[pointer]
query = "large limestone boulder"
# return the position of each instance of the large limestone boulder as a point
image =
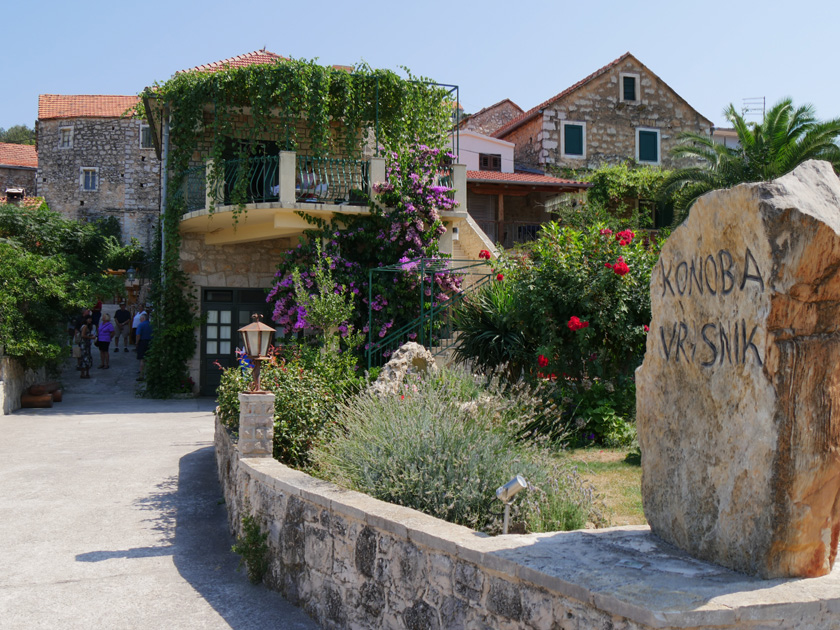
(411, 358)
(738, 398)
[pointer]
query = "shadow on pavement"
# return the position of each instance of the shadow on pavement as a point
(190, 517)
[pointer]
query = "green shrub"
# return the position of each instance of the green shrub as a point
(307, 384)
(444, 446)
(252, 548)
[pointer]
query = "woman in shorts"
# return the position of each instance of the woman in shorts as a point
(106, 330)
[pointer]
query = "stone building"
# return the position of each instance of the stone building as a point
(492, 118)
(231, 259)
(96, 161)
(18, 166)
(621, 112)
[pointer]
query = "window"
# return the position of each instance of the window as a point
(628, 85)
(647, 146)
(489, 162)
(573, 140)
(89, 178)
(146, 137)
(65, 140)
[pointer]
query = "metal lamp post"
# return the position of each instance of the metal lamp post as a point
(257, 337)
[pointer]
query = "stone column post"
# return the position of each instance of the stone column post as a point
(459, 183)
(256, 425)
(377, 173)
(210, 199)
(286, 177)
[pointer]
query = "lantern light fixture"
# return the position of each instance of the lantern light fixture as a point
(257, 338)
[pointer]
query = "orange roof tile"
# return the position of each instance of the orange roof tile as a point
(240, 61)
(83, 105)
(494, 177)
(520, 120)
(18, 155)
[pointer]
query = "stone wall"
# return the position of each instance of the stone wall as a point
(128, 178)
(610, 124)
(354, 562)
(245, 265)
(14, 380)
(17, 177)
(489, 119)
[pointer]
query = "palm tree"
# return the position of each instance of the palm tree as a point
(769, 149)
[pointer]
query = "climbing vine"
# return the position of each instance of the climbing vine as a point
(295, 104)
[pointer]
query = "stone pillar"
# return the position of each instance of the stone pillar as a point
(256, 425)
(445, 241)
(459, 183)
(377, 173)
(286, 177)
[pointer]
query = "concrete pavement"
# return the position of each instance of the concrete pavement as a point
(111, 516)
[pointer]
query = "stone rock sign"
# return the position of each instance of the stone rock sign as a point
(738, 398)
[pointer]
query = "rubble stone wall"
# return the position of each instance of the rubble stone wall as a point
(17, 177)
(128, 180)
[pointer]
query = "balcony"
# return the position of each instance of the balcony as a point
(275, 187)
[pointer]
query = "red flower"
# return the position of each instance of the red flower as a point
(500, 276)
(625, 237)
(484, 254)
(620, 267)
(575, 324)
(608, 265)
(606, 231)
(647, 329)
(542, 361)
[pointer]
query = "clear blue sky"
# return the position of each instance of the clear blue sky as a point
(712, 53)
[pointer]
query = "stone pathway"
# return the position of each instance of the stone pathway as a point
(111, 516)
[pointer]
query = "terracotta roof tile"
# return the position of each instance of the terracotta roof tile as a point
(254, 58)
(83, 105)
(522, 178)
(18, 155)
(518, 121)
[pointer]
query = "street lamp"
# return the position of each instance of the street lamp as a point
(131, 273)
(257, 337)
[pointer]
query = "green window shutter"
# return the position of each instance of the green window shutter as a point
(573, 136)
(629, 88)
(648, 146)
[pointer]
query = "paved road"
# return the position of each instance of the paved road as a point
(111, 516)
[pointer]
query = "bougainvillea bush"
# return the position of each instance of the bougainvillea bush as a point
(581, 300)
(403, 225)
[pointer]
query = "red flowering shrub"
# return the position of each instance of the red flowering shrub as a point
(575, 324)
(500, 276)
(542, 361)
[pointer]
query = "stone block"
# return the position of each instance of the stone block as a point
(741, 377)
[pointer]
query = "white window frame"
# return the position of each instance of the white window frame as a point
(151, 142)
(638, 78)
(82, 171)
(658, 146)
(579, 123)
(61, 131)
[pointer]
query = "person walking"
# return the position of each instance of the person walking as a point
(122, 323)
(87, 334)
(144, 339)
(135, 323)
(106, 329)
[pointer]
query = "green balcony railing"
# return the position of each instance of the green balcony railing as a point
(433, 325)
(251, 180)
(331, 180)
